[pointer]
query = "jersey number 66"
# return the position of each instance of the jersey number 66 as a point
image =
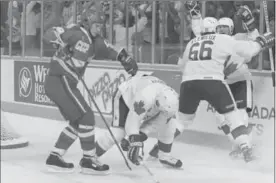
(201, 51)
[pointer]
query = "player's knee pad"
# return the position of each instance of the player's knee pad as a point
(220, 119)
(179, 126)
(105, 140)
(153, 124)
(87, 119)
(186, 119)
(244, 116)
(234, 119)
(166, 132)
(85, 127)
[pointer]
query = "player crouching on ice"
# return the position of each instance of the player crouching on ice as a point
(76, 44)
(141, 105)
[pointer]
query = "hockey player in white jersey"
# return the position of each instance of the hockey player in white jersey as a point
(203, 64)
(142, 105)
(236, 70)
(238, 76)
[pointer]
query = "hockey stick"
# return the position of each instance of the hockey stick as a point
(271, 59)
(103, 118)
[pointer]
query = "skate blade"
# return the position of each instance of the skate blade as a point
(88, 171)
(171, 167)
(55, 169)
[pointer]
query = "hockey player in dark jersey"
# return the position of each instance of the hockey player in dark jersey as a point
(76, 44)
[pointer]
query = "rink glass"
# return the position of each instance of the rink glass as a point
(161, 40)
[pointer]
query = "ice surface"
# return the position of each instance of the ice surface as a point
(201, 164)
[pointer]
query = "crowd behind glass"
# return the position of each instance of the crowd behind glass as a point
(153, 32)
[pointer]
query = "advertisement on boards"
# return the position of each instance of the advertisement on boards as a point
(102, 84)
(29, 80)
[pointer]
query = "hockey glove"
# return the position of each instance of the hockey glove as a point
(127, 62)
(135, 149)
(248, 20)
(193, 7)
(266, 40)
(125, 143)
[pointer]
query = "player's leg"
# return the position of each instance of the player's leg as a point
(243, 94)
(166, 135)
(189, 100)
(120, 113)
(81, 124)
(218, 94)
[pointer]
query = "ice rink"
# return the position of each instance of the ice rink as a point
(200, 164)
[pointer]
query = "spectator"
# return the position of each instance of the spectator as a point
(32, 23)
(121, 28)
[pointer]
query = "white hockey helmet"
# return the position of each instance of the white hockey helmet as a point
(209, 25)
(168, 101)
(225, 21)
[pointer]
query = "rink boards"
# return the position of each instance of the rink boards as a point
(22, 92)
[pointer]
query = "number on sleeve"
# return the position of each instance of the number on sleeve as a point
(201, 51)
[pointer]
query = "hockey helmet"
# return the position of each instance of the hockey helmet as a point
(168, 101)
(225, 21)
(209, 25)
(90, 17)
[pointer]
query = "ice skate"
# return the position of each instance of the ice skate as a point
(56, 163)
(236, 152)
(248, 154)
(169, 161)
(91, 165)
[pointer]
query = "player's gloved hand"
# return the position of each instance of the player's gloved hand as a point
(129, 64)
(245, 14)
(125, 143)
(266, 40)
(135, 149)
(193, 7)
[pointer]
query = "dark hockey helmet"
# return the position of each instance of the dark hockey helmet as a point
(90, 17)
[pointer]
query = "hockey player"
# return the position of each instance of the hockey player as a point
(142, 105)
(76, 44)
(238, 76)
(203, 65)
(199, 52)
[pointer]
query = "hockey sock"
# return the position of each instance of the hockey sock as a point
(176, 134)
(164, 147)
(225, 129)
(241, 137)
(65, 140)
(99, 150)
(87, 140)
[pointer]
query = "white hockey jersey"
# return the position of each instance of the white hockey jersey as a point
(206, 57)
(140, 95)
(242, 72)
